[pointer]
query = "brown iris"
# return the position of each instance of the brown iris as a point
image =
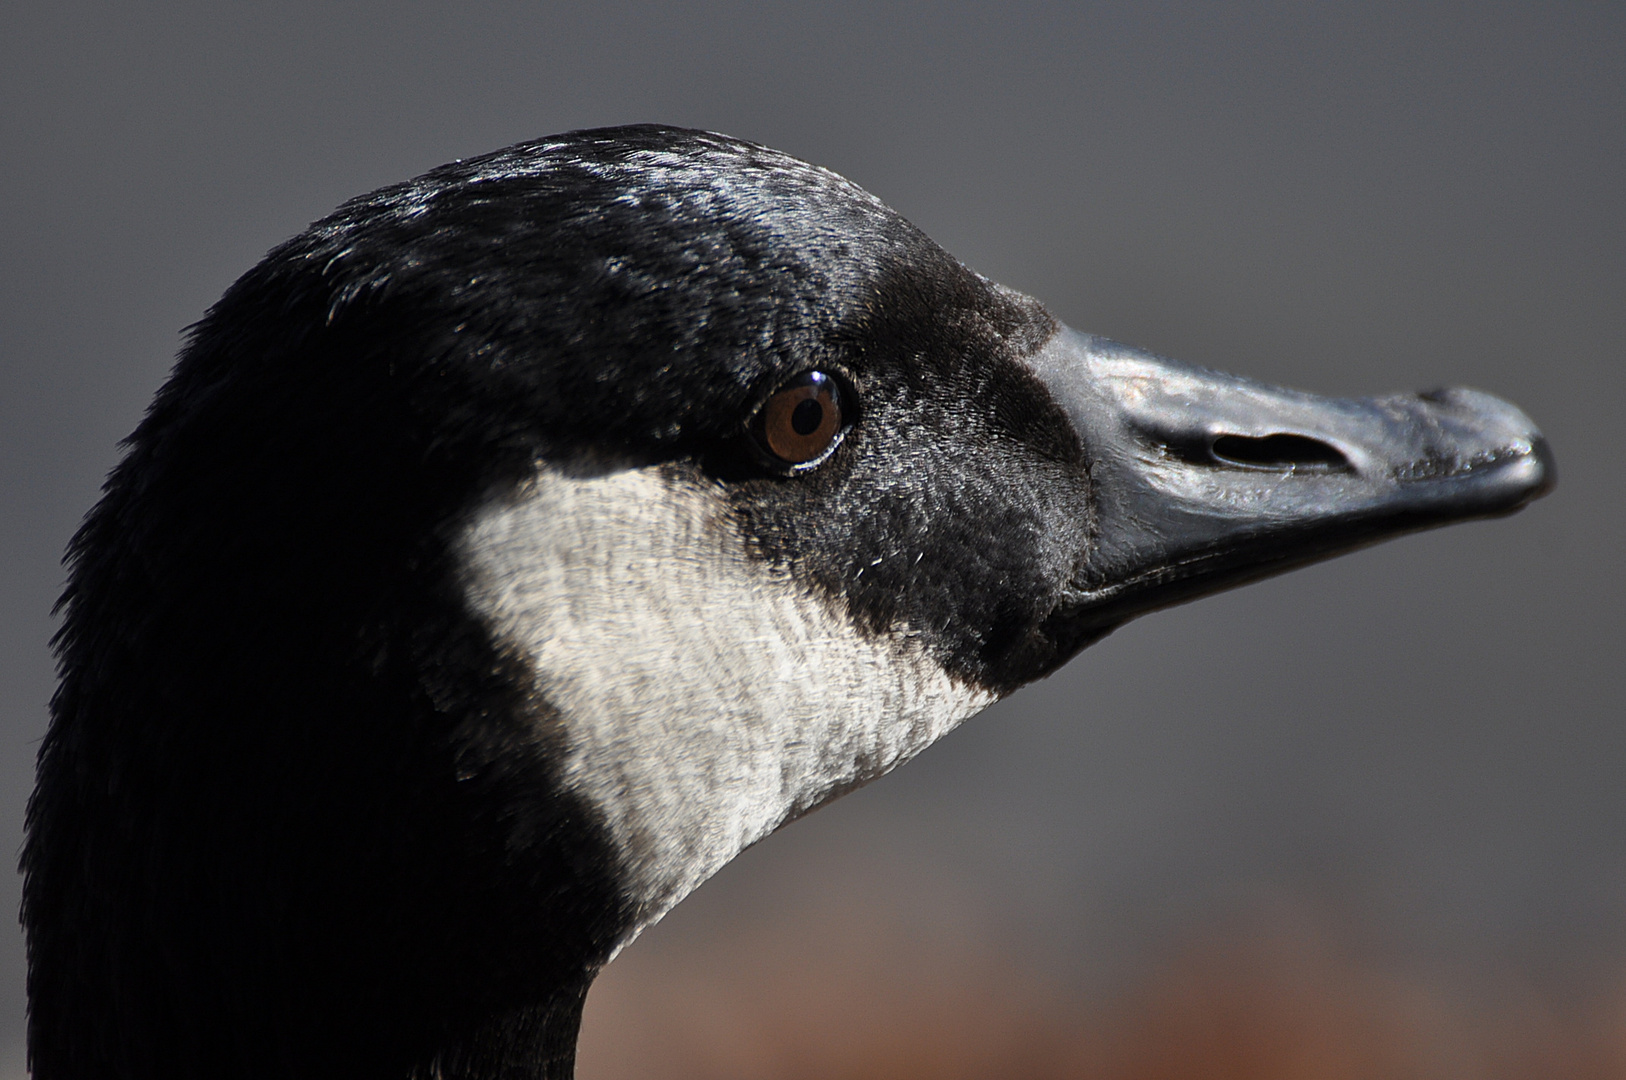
(801, 422)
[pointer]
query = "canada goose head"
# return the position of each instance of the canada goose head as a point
(518, 544)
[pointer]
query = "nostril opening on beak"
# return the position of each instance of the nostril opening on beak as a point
(1280, 452)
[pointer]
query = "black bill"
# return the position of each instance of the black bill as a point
(1203, 480)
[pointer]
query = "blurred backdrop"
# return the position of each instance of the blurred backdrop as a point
(1367, 819)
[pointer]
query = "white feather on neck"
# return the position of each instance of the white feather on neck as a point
(706, 696)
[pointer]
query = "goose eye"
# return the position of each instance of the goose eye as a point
(802, 422)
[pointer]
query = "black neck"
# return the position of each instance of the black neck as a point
(298, 816)
(536, 1042)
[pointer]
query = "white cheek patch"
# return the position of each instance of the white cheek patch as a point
(706, 697)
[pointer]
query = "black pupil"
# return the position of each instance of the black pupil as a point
(807, 416)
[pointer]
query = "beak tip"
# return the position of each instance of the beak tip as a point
(1543, 467)
(1529, 469)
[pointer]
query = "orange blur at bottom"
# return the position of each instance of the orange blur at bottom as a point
(855, 999)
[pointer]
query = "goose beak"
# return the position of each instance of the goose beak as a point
(1203, 481)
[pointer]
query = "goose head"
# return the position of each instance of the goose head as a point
(518, 544)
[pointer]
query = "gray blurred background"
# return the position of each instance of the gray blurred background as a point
(1399, 772)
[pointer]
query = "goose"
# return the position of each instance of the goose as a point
(518, 544)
